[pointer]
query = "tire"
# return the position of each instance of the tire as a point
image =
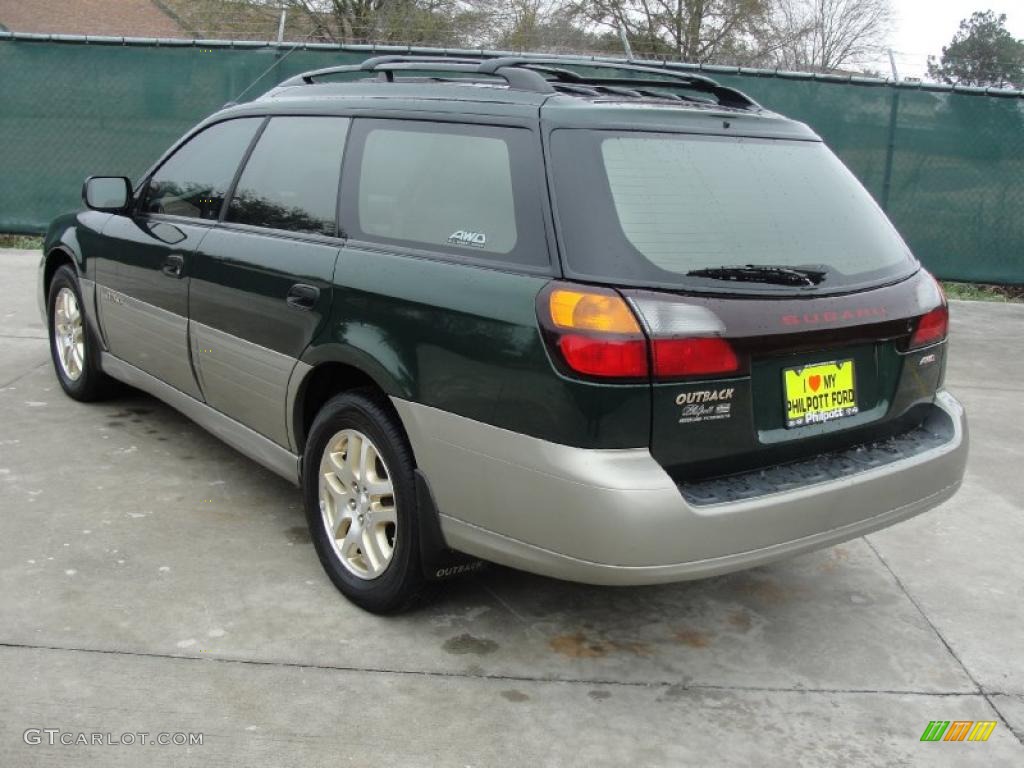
(73, 348)
(374, 560)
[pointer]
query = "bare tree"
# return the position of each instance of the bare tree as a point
(827, 35)
(693, 30)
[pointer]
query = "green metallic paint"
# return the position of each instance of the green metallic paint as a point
(465, 339)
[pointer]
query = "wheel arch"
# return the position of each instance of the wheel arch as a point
(54, 259)
(325, 372)
(329, 373)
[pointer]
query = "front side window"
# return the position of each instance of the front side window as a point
(290, 181)
(196, 178)
(472, 191)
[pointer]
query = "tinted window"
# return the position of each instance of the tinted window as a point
(468, 190)
(291, 179)
(651, 208)
(195, 180)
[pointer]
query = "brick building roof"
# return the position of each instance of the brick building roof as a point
(119, 18)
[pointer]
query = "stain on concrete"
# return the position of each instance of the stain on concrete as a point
(578, 646)
(695, 638)
(739, 620)
(115, 424)
(764, 590)
(674, 691)
(514, 695)
(467, 644)
(597, 695)
(298, 534)
(838, 557)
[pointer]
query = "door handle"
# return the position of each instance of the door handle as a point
(302, 296)
(174, 265)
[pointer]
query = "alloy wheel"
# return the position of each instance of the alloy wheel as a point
(357, 504)
(69, 334)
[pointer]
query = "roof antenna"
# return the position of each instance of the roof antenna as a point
(278, 59)
(625, 43)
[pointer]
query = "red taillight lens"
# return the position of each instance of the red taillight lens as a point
(595, 333)
(693, 357)
(931, 327)
(605, 358)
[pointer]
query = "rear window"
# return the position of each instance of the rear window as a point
(646, 209)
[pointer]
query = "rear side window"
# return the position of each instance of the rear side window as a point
(290, 180)
(195, 179)
(471, 191)
(647, 208)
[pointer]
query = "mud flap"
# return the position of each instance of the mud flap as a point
(437, 560)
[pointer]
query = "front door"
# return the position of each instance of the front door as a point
(261, 282)
(144, 264)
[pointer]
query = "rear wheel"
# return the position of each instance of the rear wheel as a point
(74, 351)
(360, 499)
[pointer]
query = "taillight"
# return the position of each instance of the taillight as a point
(607, 358)
(693, 357)
(595, 333)
(932, 327)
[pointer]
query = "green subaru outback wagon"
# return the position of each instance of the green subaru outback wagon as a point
(609, 323)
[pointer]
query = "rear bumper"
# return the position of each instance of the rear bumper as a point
(616, 517)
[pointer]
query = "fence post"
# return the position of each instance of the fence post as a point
(890, 149)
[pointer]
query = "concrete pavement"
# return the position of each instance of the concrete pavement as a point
(155, 580)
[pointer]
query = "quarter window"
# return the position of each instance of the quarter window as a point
(290, 181)
(195, 180)
(471, 191)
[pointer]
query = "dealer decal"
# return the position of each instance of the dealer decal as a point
(705, 405)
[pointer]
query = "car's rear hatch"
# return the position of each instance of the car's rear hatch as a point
(771, 246)
(813, 376)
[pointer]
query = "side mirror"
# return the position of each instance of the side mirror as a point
(107, 193)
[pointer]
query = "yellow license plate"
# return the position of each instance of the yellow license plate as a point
(820, 392)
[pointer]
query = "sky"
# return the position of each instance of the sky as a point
(923, 26)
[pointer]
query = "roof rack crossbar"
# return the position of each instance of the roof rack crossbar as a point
(727, 96)
(520, 79)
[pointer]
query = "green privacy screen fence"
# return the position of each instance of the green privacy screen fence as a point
(948, 165)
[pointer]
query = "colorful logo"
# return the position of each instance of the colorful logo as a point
(958, 730)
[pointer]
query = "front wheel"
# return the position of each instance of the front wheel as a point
(360, 499)
(73, 348)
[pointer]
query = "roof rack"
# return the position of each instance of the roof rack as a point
(543, 74)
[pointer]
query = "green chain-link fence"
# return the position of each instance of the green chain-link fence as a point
(948, 165)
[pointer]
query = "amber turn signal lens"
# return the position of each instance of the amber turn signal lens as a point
(585, 311)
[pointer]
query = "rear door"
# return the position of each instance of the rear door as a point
(145, 262)
(261, 281)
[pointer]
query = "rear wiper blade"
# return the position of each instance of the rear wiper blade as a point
(761, 273)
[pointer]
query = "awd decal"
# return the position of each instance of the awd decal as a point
(464, 237)
(958, 730)
(705, 405)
